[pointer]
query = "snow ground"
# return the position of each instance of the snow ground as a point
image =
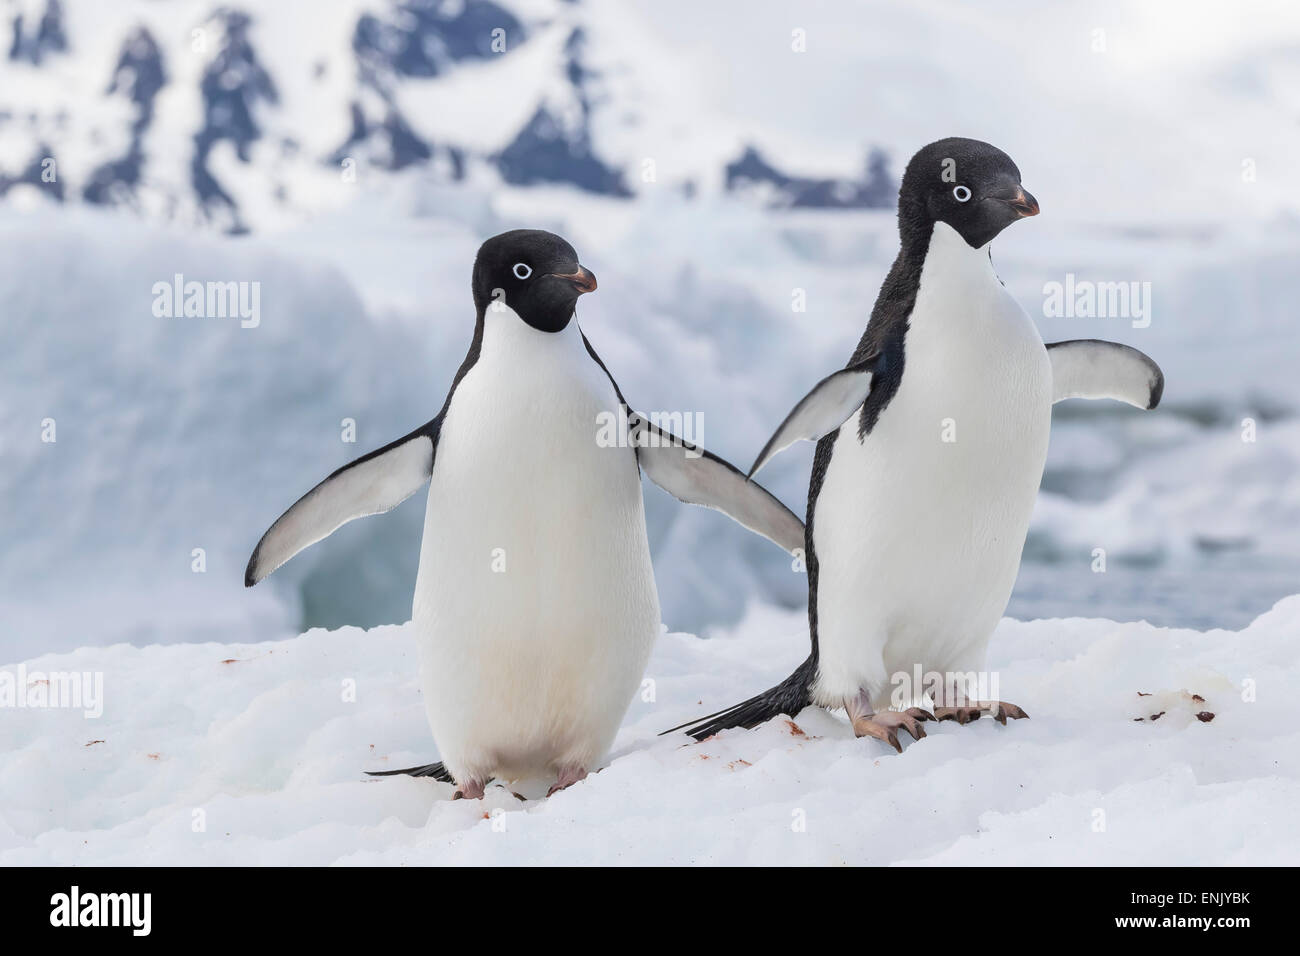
(257, 738)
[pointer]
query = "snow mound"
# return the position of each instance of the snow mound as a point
(216, 754)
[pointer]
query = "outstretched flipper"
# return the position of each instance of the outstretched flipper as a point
(821, 411)
(698, 477)
(1091, 368)
(372, 484)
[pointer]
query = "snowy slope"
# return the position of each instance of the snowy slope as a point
(257, 742)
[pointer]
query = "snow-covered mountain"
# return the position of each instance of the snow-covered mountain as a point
(240, 116)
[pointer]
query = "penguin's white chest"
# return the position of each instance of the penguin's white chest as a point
(535, 602)
(919, 529)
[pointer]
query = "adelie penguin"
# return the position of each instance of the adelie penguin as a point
(535, 605)
(930, 448)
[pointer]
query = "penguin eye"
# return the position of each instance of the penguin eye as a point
(960, 193)
(522, 270)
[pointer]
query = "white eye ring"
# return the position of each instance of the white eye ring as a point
(960, 193)
(522, 270)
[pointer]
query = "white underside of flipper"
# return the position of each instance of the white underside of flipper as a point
(535, 605)
(1089, 368)
(692, 475)
(918, 539)
(369, 486)
(821, 411)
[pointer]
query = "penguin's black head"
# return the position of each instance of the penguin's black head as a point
(971, 186)
(534, 273)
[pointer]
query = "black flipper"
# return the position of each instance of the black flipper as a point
(788, 697)
(699, 477)
(435, 770)
(373, 484)
(823, 410)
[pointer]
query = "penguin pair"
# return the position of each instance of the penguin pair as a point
(535, 605)
(931, 443)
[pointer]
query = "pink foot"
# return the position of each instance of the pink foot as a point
(471, 790)
(567, 778)
(971, 710)
(884, 725)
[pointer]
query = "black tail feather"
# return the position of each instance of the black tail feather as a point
(788, 697)
(435, 770)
